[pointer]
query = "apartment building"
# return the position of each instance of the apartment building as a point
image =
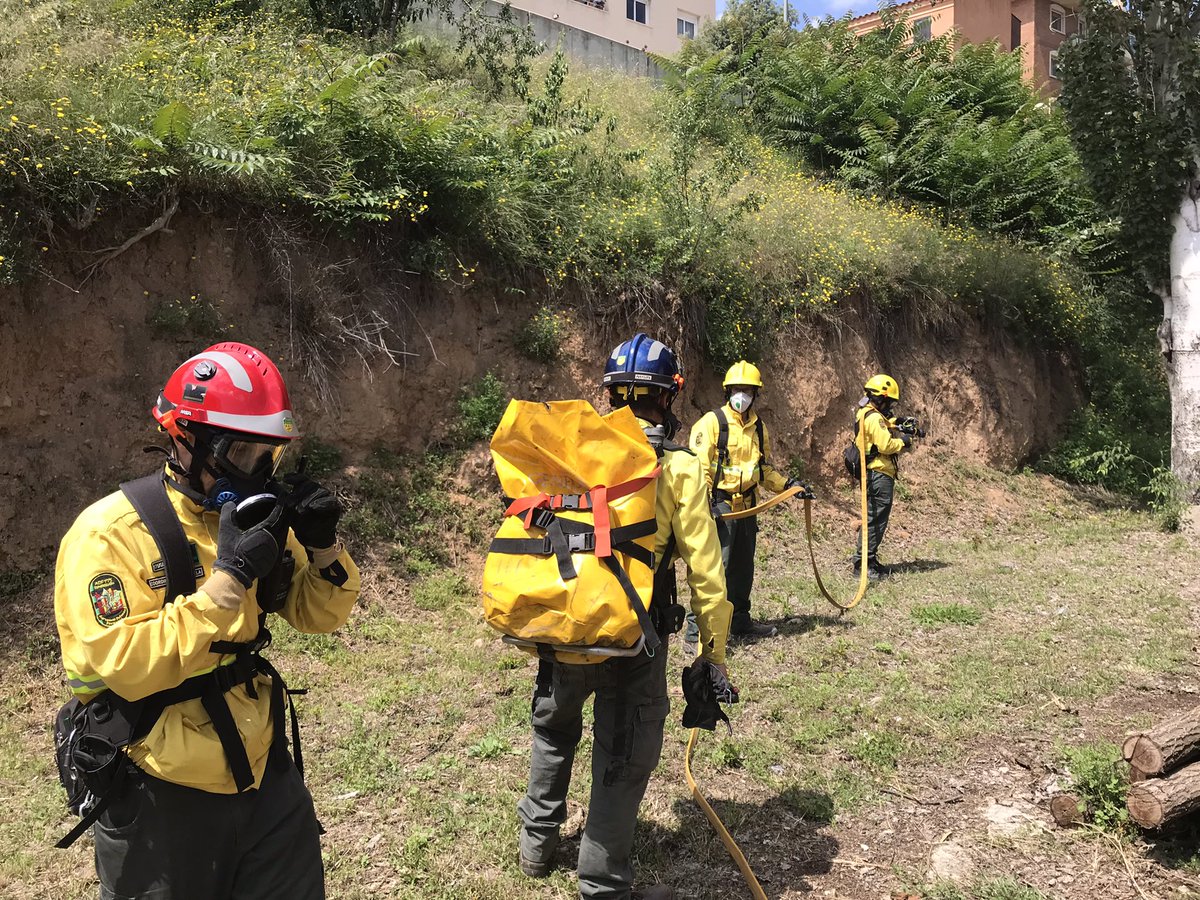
(656, 26)
(1037, 27)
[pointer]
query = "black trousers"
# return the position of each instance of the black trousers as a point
(879, 510)
(167, 842)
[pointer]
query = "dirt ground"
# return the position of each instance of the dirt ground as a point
(898, 751)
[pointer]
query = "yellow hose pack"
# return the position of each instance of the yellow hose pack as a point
(570, 574)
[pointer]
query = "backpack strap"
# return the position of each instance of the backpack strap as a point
(149, 499)
(722, 438)
(762, 446)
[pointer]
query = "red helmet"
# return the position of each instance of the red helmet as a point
(230, 387)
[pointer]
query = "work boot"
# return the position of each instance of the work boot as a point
(655, 892)
(536, 869)
(540, 868)
(754, 630)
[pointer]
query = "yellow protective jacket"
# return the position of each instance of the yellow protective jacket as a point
(117, 633)
(682, 509)
(745, 469)
(878, 434)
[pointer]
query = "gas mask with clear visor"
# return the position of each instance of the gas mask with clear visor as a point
(244, 466)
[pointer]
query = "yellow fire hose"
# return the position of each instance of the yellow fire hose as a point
(808, 528)
(756, 890)
(735, 852)
(862, 568)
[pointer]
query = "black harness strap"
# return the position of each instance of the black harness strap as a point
(149, 499)
(96, 811)
(723, 440)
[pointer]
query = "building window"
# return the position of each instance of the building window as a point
(685, 27)
(1058, 19)
(1014, 38)
(598, 4)
(922, 30)
(636, 10)
(1054, 71)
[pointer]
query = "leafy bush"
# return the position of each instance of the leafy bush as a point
(581, 180)
(480, 408)
(1168, 498)
(540, 338)
(1098, 778)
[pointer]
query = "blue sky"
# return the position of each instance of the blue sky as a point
(817, 9)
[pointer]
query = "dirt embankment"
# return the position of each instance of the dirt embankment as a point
(84, 358)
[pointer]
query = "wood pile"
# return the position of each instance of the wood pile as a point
(1164, 771)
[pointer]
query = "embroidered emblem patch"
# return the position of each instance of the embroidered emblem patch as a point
(108, 599)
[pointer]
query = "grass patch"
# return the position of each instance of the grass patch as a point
(932, 615)
(438, 591)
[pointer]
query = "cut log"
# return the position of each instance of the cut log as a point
(1066, 809)
(1156, 802)
(1166, 746)
(1136, 775)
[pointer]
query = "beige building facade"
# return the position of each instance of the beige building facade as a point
(655, 26)
(1037, 27)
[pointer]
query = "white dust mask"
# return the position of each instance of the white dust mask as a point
(741, 400)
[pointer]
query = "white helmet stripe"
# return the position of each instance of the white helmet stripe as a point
(233, 365)
(656, 349)
(276, 425)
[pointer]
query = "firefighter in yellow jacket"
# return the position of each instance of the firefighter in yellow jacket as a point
(161, 597)
(631, 704)
(879, 435)
(733, 443)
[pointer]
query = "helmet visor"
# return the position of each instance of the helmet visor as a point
(249, 458)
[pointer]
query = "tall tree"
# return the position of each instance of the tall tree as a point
(1131, 91)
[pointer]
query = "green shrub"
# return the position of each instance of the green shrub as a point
(490, 747)
(320, 458)
(1168, 498)
(185, 318)
(540, 338)
(1099, 779)
(480, 408)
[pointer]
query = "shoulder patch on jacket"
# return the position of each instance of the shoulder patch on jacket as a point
(108, 599)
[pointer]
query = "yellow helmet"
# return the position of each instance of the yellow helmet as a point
(742, 372)
(882, 386)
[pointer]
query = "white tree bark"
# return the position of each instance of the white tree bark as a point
(1181, 331)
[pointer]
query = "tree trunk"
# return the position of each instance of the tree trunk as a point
(1181, 329)
(1161, 801)
(1166, 746)
(1066, 809)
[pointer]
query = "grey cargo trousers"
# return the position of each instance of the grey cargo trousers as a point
(631, 698)
(880, 489)
(168, 842)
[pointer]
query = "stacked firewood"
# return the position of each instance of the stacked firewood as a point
(1164, 773)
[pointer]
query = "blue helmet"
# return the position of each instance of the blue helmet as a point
(643, 361)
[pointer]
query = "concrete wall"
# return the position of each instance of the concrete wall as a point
(609, 19)
(580, 45)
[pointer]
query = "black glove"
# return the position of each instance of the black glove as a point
(246, 555)
(315, 511)
(704, 687)
(906, 437)
(806, 493)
